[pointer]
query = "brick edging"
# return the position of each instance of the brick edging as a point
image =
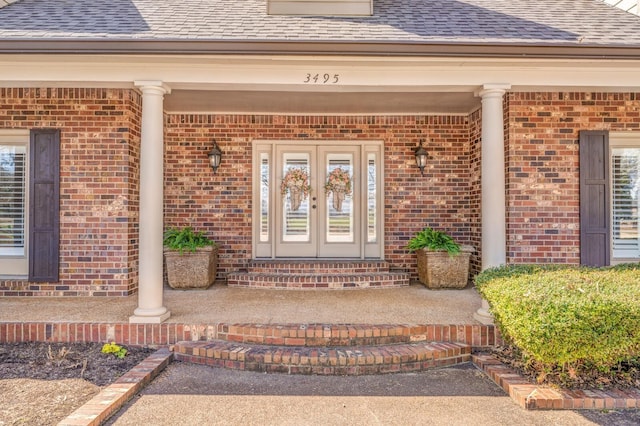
(113, 397)
(288, 334)
(536, 397)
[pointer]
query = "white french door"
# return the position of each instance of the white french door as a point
(296, 217)
(317, 200)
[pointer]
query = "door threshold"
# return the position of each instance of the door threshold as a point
(331, 259)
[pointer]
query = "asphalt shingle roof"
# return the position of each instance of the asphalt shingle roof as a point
(547, 22)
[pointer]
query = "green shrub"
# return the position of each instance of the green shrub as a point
(433, 240)
(185, 239)
(563, 316)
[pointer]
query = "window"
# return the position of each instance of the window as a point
(13, 203)
(625, 200)
(320, 7)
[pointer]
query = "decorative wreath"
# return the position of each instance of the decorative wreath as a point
(338, 179)
(296, 177)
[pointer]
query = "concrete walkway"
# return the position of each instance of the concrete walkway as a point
(408, 305)
(188, 394)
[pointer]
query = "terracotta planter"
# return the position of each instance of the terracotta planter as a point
(191, 269)
(438, 269)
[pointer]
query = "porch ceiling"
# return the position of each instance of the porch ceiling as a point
(280, 102)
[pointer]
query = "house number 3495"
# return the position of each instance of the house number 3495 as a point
(325, 78)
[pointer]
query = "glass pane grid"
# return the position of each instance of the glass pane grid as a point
(340, 208)
(264, 197)
(626, 202)
(371, 199)
(12, 199)
(296, 176)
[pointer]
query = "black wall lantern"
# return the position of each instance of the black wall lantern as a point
(421, 157)
(215, 157)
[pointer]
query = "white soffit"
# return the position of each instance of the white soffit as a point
(262, 102)
(631, 6)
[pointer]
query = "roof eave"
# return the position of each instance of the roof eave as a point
(266, 47)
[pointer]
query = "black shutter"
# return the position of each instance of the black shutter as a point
(594, 198)
(44, 205)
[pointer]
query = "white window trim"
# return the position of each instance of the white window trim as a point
(17, 267)
(619, 140)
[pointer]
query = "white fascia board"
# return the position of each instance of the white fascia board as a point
(292, 73)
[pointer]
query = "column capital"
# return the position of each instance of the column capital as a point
(493, 89)
(153, 86)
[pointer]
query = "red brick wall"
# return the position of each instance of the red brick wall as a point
(132, 153)
(100, 130)
(543, 167)
(475, 194)
(100, 138)
(221, 204)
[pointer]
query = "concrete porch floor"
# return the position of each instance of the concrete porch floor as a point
(414, 304)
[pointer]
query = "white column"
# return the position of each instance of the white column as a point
(494, 234)
(150, 308)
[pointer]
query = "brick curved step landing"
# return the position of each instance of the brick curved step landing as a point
(333, 335)
(344, 360)
(317, 275)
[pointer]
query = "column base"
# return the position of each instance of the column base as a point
(483, 315)
(149, 319)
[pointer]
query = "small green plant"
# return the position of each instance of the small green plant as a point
(186, 239)
(115, 349)
(433, 240)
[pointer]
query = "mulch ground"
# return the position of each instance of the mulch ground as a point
(42, 383)
(580, 376)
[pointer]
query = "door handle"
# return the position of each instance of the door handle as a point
(314, 198)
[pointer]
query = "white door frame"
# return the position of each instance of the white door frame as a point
(266, 183)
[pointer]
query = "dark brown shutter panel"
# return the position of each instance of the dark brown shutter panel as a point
(594, 198)
(44, 205)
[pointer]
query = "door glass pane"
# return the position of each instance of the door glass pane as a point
(371, 199)
(12, 200)
(264, 197)
(295, 188)
(339, 194)
(626, 202)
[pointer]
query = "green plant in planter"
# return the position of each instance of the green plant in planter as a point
(186, 239)
(433, 240)
(191, 258)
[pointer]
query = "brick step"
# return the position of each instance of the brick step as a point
(314, 334)
(352, 361)
(320, 266)
(316, 281)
